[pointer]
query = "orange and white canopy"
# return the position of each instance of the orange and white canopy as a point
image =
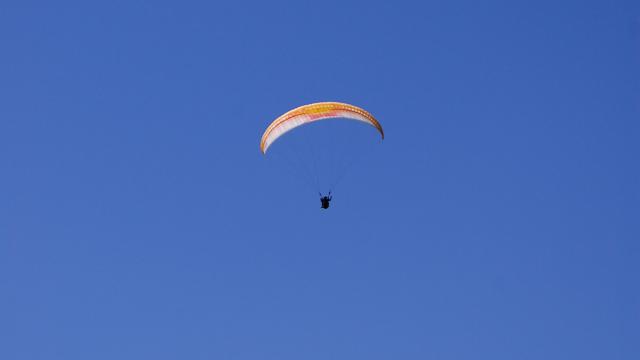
(314, 112)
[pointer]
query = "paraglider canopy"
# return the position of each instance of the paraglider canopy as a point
(315, 112)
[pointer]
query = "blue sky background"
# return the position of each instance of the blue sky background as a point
(499, 220)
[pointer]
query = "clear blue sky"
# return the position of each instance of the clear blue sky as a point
(499, 220)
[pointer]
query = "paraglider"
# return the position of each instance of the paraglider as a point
(310, 113)
(324, 200)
